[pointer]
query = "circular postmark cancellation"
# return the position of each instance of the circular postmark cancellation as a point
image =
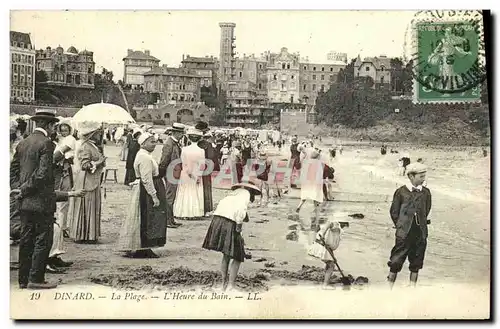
(448, 55)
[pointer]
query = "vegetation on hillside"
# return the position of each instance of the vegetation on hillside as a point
(352, 102)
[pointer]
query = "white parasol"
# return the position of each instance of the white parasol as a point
(104, 113)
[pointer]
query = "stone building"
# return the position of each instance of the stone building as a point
(67, 68)
(378, 68)
(173, 84)
(315, 78)
(135, 65)
(283, 70)
(206, 67)
(22, 67)
(227, 56)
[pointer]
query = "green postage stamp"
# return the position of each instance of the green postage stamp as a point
(448, 57)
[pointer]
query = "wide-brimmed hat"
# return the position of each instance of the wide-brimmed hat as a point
(178, 127)
(136, 131)
(144, 137)
(250, 187)
(45, 115)
(87, 127)
(416, 168)
(194, 132)
(203, 126)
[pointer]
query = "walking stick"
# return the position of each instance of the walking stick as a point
(345, 280)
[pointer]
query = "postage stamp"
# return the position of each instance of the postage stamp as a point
(448, 57)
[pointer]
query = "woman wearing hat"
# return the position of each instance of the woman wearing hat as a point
(224, 233)
(206, 143)
(189, 199)
(311, 180)
(133, 148)
(86, 212)
(145, 226)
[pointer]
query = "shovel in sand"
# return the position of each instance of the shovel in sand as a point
(344, 279)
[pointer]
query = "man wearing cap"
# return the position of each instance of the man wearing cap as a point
(410, 207)
(32, 169)
(170, 168)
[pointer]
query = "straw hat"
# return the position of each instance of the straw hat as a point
(178, 127)
(46, 115)
(250, 187)
(194, 132)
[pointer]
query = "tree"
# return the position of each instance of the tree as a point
(41, 76)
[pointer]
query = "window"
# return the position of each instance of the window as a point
(322, 69)
(314, 76)
(331, 69)
(283, 86)
(322, 77)
(241, 74)
(288, 66)
(283, 66)
(77, 79)
(275, 77)
(305, 67)
(367, 69)
(382, 68)
(293, 77)
(13, 57)
(260, 66)
(260, 85)
(322, 87)
(314, 87)
(304, 87)
(292, 85)
(314, 68)
(382, 79)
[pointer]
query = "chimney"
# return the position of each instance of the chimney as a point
(129, 52)
(183, 57)
(147, 52)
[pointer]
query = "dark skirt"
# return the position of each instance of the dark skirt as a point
(208, 204)
(222, 236)
(129, 176)
(153, 219)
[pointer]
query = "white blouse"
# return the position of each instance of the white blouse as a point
(234, 207)
(146, 168)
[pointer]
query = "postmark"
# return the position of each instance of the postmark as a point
(448, 56)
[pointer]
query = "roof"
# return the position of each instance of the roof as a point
(140, 55)
(20, 37)
(376, 61)
(172, 71)
(199, 59)
(72, 50)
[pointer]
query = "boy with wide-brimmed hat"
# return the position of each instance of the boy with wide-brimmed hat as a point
(410, 207)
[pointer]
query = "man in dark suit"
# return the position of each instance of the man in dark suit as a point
(32, 170)
(170, 168)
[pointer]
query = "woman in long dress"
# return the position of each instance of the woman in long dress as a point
(86, 223)
(133, 148)
(189, 199)
(311, 180)
(211, 156)
(146, 225)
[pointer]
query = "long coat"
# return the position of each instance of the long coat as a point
(406, 205)
(171, 151)
(32, 169)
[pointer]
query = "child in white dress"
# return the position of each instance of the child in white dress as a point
(331, 233)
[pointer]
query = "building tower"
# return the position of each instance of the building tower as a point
(227, 55)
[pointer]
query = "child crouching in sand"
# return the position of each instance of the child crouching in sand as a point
(331, 233)
(224, 233)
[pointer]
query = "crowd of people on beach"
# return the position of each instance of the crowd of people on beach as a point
(57, 174)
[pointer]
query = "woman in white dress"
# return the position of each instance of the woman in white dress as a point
(311, 180)
(189, 199)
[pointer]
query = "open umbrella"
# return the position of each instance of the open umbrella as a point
(104, 113)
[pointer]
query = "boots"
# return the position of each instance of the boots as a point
(413, 278)
(391, 278)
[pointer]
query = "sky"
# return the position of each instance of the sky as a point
(170, 34)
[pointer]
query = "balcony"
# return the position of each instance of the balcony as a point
(242, 121)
